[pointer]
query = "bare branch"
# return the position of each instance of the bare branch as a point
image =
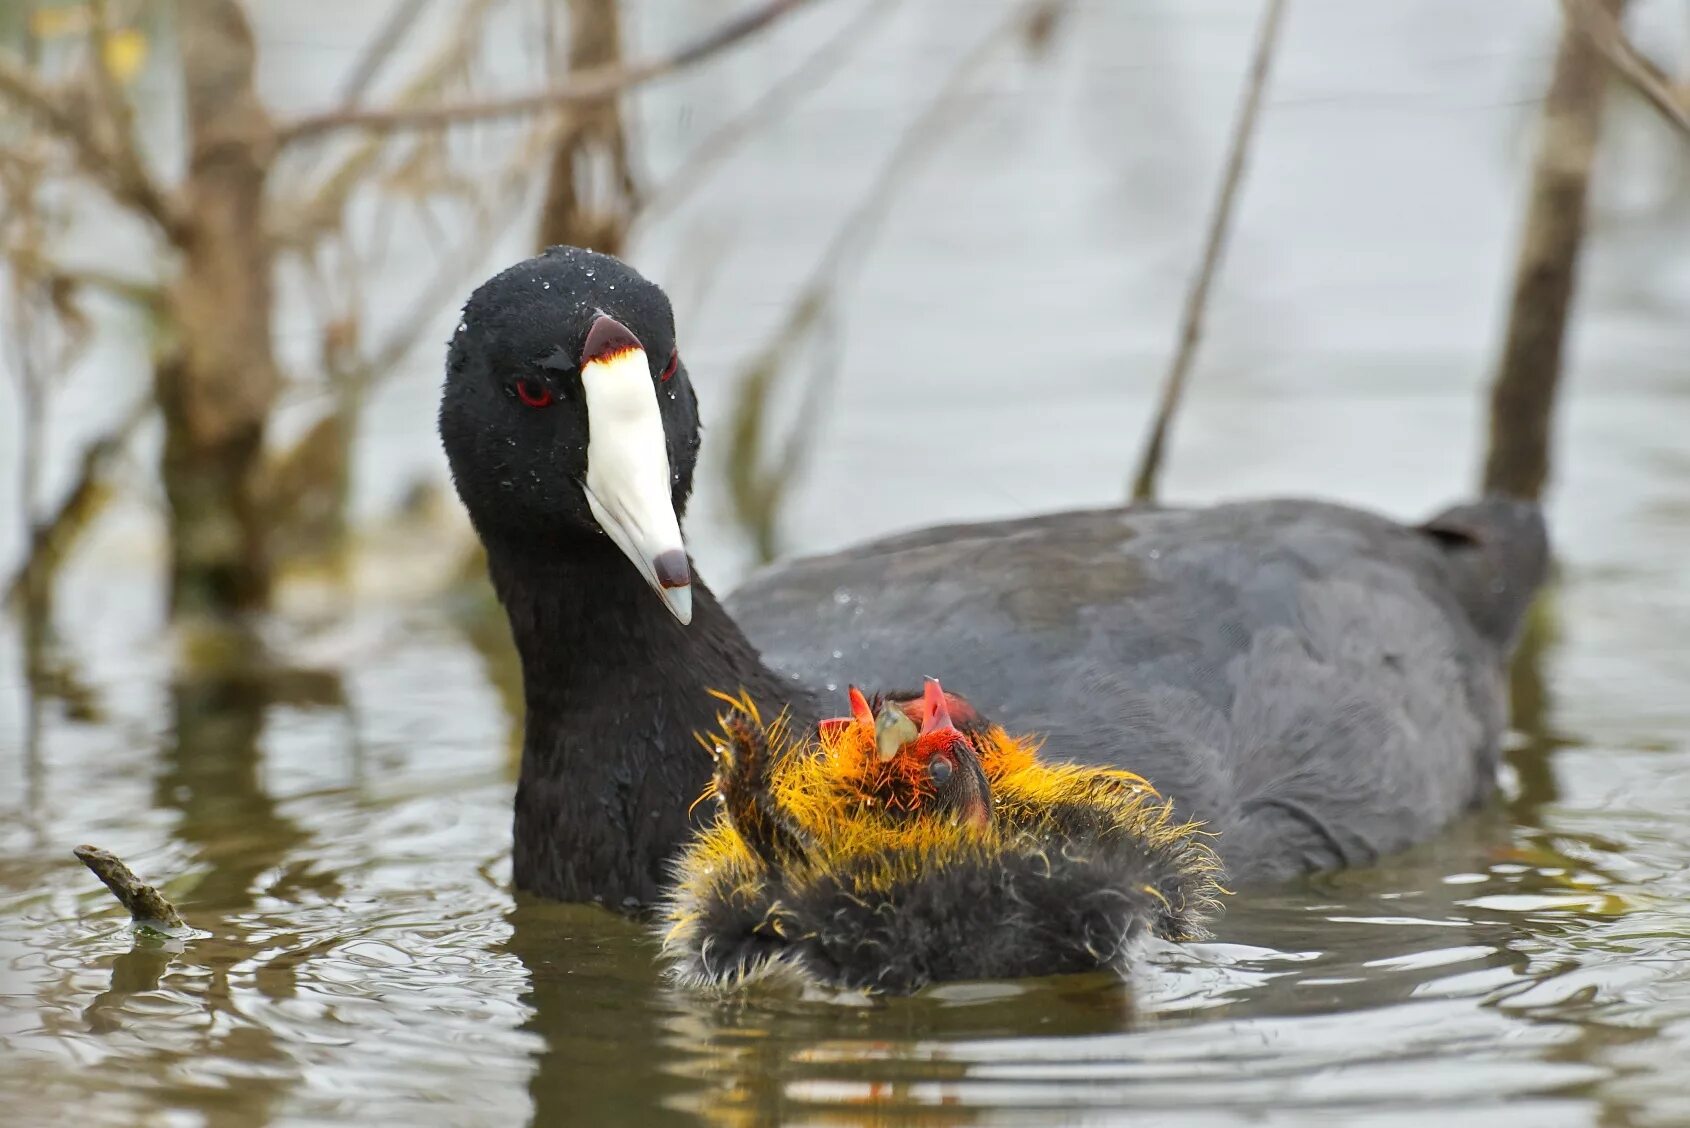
(1197, 299)
(1648, 80)
(138, 292)
(355, 369)
(591, 193)
(51, 540)
(124, 152)
(756, 490)
(493, 219)
(1528, 373)
(589, 86)
(810, 74)
(319, 212)
(380, 49)
(121, 176)
(21, 87)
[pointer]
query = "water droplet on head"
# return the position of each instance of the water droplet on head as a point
(831, 686)
(841, 596)
(1155, 554)
(839, 654)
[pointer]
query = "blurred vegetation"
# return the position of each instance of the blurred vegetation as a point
(225, 200)
(142, 119)
(255, 196)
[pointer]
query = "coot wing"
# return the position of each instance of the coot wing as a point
(1321, 685)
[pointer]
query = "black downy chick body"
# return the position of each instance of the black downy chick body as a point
(843, 860)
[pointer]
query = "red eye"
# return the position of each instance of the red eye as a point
(674, 363)
(533, 394)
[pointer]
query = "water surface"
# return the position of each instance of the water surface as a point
(339, 829)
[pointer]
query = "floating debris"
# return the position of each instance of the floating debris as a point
(147, 906)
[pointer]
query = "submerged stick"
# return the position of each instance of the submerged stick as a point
(584, 88)
(146, 905)
(1197, 298)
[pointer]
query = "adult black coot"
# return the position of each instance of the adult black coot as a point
(1319, 685)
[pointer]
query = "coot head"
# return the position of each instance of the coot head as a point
(567, 414)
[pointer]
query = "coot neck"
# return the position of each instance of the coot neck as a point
(615, 691)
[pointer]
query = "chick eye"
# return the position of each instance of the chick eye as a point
(533, 394)
(674, 363)
(939, 770)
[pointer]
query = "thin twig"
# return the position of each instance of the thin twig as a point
(493, 215)
(139, 292)
(780, 97)
(380, 49)
(1220, 223)
(756, 491)
(126, 181)
(147, 906)
(113, 101)
(319, 209)
(446, 284)
(1648, 80)
(51, 539)
(589, 86)
(20, 86)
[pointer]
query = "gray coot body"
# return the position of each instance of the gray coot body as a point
(1320, 684)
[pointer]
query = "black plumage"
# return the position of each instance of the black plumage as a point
(1320, 685)
(811, 872)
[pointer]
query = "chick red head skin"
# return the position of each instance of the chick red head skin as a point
(952, 761)
(916, 706)
(926, 769)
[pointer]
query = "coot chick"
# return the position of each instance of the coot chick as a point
(1317, 684)
(955, 856)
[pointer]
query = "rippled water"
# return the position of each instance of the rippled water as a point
(339, 830)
